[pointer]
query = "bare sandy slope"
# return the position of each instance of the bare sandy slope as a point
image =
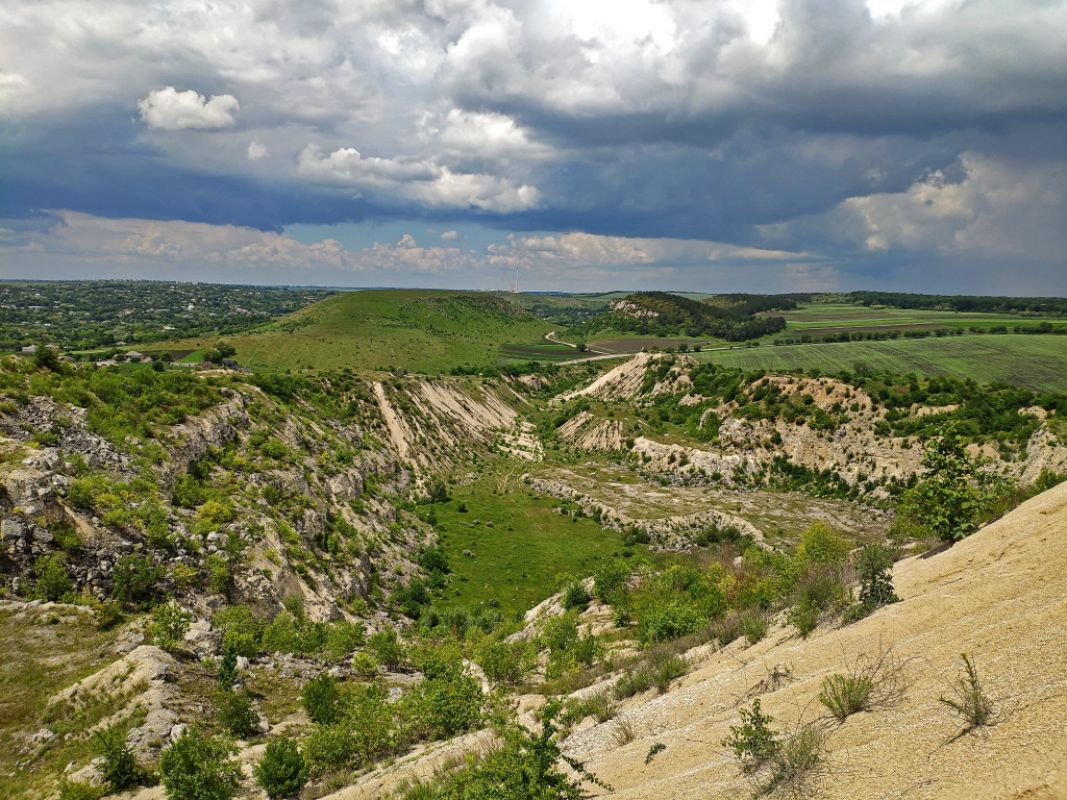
(1001, 596)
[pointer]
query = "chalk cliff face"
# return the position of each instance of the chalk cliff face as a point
(312, 499)
(745, 446)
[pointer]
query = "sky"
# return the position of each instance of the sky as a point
(571, 145)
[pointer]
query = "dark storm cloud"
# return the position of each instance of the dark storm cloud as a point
(873, 139)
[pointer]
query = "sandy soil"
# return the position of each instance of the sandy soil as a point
(1000, 596)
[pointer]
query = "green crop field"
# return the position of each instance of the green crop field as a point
(1036, 362)
(519, 546)
(417, 330)
(824, 318)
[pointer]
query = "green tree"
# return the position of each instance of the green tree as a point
(322, 699)
(228, 667)
(875, 568)
(953, 493)
(282, 771)
(236, 713)
(119, 769)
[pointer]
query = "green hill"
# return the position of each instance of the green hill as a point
(416, 330)
(731, 317)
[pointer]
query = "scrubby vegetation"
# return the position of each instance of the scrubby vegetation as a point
(730, 317)
(968, 698)
(526, 764)
(286, 555)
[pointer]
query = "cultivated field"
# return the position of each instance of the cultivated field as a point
(825, 318)
(537, 351)
(1036, 362)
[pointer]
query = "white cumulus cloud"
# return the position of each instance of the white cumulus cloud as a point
(257, 150)
(171, 110)
(422, 180)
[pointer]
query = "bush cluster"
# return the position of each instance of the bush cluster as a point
(356, 724)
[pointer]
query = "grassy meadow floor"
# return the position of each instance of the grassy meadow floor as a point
(519, 545)
(1036, 362)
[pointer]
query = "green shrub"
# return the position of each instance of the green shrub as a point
(370, 722)
(667, 620)
(804, 616)
(575, 596)
(342, 637)
(236, 713)
(600, 705)
(969, 699)
(753, 742)
(844, 695)
(119, 769)
(444, 705)
(82, 493)
(754, 626)
(73, 790)
(241, 632)
(53, 581)
(281, 772)
(199, 767)
(283, 634)
(170, 623)
(135, 581)
(210, 516)
(109, 615)
(658, 670)
(567, 650)
(219, 576)
(328, 747)
(386, 646)
(822, 588)
(953, 495)
(526, 765)
(186, 492)
(364, 665)
(321, 699)
(676, 602)
(820, 544)
(609, 580)
(228, 668)
(665, 668)
(506, 662)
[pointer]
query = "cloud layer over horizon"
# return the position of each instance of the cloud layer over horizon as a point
(707, 145)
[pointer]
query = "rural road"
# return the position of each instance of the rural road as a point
(551, 337)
